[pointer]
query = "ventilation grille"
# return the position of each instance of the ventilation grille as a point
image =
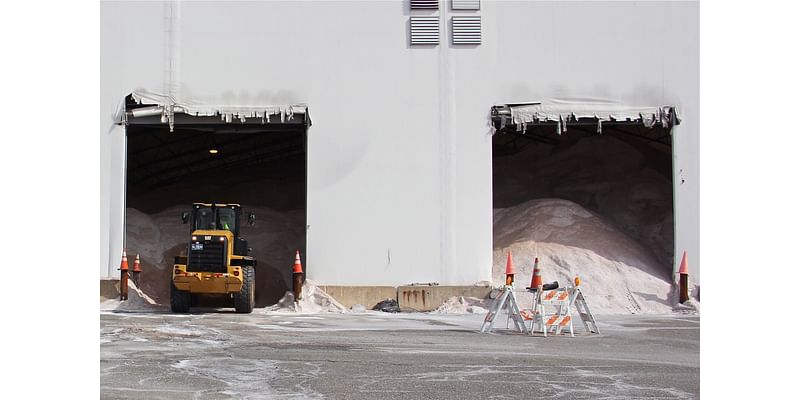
(466, 30)
(424, 30)
(211, 258)
(466, 4)
(424, 4)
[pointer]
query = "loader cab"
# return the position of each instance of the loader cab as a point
(218, 217)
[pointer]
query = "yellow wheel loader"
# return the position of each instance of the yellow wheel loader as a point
(218, 261)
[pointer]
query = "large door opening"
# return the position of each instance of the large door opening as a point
(588, 199)
(258, 164)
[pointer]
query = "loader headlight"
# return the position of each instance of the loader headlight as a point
(194, 237)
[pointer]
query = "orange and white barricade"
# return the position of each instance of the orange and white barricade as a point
(557, 319)
(506, 300)
(552, 311)
(578, 303)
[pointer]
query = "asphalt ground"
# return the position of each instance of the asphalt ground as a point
(217, 354)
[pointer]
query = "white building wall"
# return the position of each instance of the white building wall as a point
(399, 173)
(131, 56)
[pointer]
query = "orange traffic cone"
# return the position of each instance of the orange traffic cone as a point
(509, 270)
(123, 277)
(683, 271)
(136, 270)
(298, 267)
(536, 279)
(297, 277)
(577, 280)
(123, 266)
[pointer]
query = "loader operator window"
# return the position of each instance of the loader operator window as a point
(204, 219)
(227, 219)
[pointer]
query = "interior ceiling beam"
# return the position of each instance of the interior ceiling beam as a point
(181, 139)
(614, 131)
(532, 132)
(658, 139)
(175, 175)
(529, 134)
(189, 153)
(136, 151)
(539, 139)
(172, 153)
(643, 138)
(267, 157)
(212, 161)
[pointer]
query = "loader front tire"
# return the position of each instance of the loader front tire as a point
(179, 300)
(245, 300)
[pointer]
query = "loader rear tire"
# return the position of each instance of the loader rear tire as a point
(245, 300)
(179, 300)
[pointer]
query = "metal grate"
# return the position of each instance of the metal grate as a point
(465, 4)
(466, 30)
(424, 30)
(424, 4)
(210, 259)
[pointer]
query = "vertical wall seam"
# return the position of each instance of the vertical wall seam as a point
(447, 156)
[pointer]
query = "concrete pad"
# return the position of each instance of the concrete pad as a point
(109, 288)
(375, 355)
(429, 298)
(367, 296)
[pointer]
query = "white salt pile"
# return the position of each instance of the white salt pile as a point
(627, 181)
(618, 274)
(314, 301)
(463, 305)
(137, 301)
(358, 308)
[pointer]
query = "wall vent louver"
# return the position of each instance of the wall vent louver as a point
(465, 4)
(424, 30)
(424, 4)
(466, 30)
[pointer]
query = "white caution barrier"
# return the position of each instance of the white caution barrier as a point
(552, 311)
(508, 300)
